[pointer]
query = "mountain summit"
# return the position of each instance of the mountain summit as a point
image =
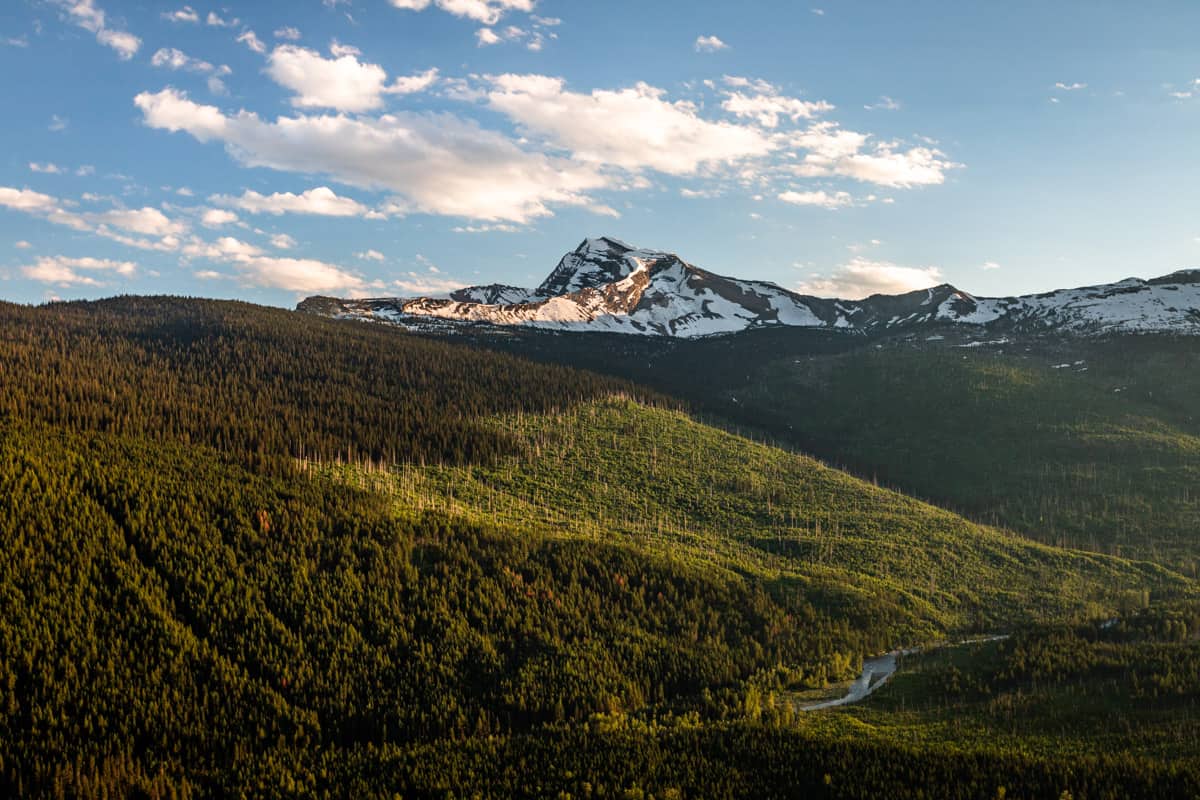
(607, 285)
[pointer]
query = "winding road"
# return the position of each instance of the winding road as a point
(879, 669)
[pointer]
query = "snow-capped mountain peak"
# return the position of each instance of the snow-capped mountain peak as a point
(605, 284)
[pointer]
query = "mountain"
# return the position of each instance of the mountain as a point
(607, 285)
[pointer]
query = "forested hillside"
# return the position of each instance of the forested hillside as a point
(1083, 443)
(248, 552)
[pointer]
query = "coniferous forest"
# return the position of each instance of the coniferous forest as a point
(250, 552)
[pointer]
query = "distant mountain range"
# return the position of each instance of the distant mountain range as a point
(607, 285)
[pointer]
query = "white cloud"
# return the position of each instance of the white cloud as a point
(58, 123)
(145, 221)
(185, 14)
(498, 227)
(834, 151)
(16, 41)
(634, 128)
(487, 12)
(337, 49)
(709, 44)
(425, 285)
(321, 201)
(693, 194)
(410, 84)
(64, 271)
(251, 40)
(1070, 87)
(435, 163)
(255, 269)
(885, 104)
(371, 255)
(297, 275)
(86, 15)
(281, 241)
(22, 245)
(216, 217)
(766, 108)
(289, 33)
(173, 59)
(26, 200)
(48, 168)
(534, 36)
(862, 277)
(216, 21)
(818, 198)
(342, 83)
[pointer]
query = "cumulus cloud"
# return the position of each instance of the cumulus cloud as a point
(633, 128)
(487, 12)
(297, 275)
(217, 217)
(65, 271)
(434, 163)
(371, 255)
(818, 198)
(288, 32)
(834, 151)
(26, 200)
(709, 44)
(320, 201)
(88, 16)
(342, 83)
(281, 241)
(767, 107)
(862, 278)
(48, 168)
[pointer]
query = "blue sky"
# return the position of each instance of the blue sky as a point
(272, 150)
